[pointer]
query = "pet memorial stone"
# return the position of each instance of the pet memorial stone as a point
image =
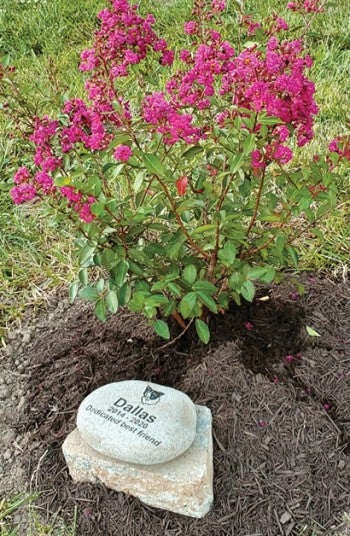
(183, 485)
(138, 422)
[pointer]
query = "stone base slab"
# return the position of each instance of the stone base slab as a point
(183, 485)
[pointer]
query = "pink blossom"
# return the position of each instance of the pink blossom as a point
(71, 194)
(282, 132)
(289, 358)
(130, 57)
(190, 27)
(283, 154)
(218, 5)
(281, 24)
(186, 56)
(22, 193)
(258, 160)
(248, 326)
(168, 121)
(43, 136)
(341, 146)
(305, 6)
(85, 213)
(21, 175)
(77, 202)
(122, 153)
(44, 181)
(160, 46)
(167, 58)
(89, 61)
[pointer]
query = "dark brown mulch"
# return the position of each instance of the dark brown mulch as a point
(281, 426)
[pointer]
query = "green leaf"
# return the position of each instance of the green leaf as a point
(112, 301)
(293, 255)
(73, 290)
(249, 144)
(63, 180)
(248, 291)
(109, 258)
(202, 331)
(204, 285)
(162, 329)
(98, 209)
(174, 250)
(121, 272)
(187, 304)
(138, 181)
(153, 164)
(190, 274)
(228, 253)
(208, 301)
(256, 272)
(204, 228)
(100, 310)
(170, 308)
(270, 120)
(136, 269)
(236, 162)
(269, 275)
(159, 285)
(124, 294)
(191, 152)
(88, 293)
(312, 332)
(174, 289)
(83, 276)
(86, 253)
(123, 138)
(157, 300)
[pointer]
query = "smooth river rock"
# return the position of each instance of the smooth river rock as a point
(138, 422)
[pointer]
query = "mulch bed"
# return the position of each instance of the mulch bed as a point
(281, 424)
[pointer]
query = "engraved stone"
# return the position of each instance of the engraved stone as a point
(183, 485)
(138, 422)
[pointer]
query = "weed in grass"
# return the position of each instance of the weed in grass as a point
(31, 524)
(10, 506)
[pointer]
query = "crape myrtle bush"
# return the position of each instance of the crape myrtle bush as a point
(183, 190)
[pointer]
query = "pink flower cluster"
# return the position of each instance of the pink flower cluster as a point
(21, 194)
(275, 83)
(196, 84)
(305, 6)
(85, 126)
(271, 81)
(341, 146)
(168, 121)
(28, 187)
(45, 130)
(251, 25)
(122, 153)
(123, 39)
(76, 201)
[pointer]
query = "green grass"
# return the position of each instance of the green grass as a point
(23, 506)
(44, 39)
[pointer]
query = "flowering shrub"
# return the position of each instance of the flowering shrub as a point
(183, 189)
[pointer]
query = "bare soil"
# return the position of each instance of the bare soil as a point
(280, 401)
